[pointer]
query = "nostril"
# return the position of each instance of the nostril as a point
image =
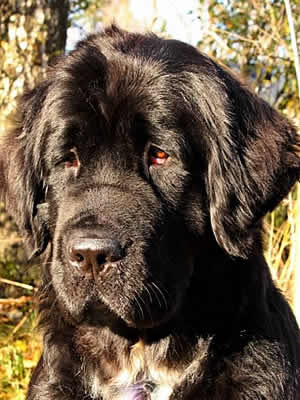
(91, 254)
(75, 258)
(101, 259)
(78, 257)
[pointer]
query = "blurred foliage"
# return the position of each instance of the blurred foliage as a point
(253, 38)
(31, 33)
(19, 353)
(13, 264)
(86, 13)
(84, 7)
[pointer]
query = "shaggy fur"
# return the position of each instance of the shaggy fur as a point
(150, 151)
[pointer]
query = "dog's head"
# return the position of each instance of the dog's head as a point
(132, 158)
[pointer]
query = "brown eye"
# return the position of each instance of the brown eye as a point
(157, 156)
(72, 161)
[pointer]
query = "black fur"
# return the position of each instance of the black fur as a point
(190, 308)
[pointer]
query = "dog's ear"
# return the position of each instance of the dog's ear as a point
(22, 177)
(253, 164)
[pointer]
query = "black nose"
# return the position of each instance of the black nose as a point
(93, 255)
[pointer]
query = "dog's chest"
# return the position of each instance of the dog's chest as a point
(139, 379)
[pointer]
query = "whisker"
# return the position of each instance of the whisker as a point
(149, 294)
(155, 294)
(162, 294)
(146, 305)
(136, 299)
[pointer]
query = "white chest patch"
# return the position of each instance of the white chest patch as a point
(138, 379)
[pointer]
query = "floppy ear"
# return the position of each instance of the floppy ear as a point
(253, 164)
(21, 178)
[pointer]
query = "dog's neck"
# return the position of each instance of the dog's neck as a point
(128, 371)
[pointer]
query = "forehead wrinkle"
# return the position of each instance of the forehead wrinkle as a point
(133, 85)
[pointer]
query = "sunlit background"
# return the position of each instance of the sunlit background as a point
(179, 18)
(253, 37)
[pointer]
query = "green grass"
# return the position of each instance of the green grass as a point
(19, 353)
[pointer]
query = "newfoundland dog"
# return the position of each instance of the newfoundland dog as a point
(141, 170)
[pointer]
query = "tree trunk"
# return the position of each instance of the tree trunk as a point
(32, 32)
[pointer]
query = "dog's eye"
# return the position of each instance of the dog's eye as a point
(157, 156)
(72, 160)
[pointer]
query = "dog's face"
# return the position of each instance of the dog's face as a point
(118, 178)
(116, 185)
(130, 159)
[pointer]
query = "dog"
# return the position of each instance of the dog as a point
(140, 170)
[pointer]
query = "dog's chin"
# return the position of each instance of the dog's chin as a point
(99, 313)
(148, 318)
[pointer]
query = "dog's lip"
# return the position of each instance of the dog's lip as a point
(148, 324)
(142, 325)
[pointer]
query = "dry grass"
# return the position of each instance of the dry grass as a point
(280, 241)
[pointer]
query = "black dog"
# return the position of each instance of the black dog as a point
(142, 170)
